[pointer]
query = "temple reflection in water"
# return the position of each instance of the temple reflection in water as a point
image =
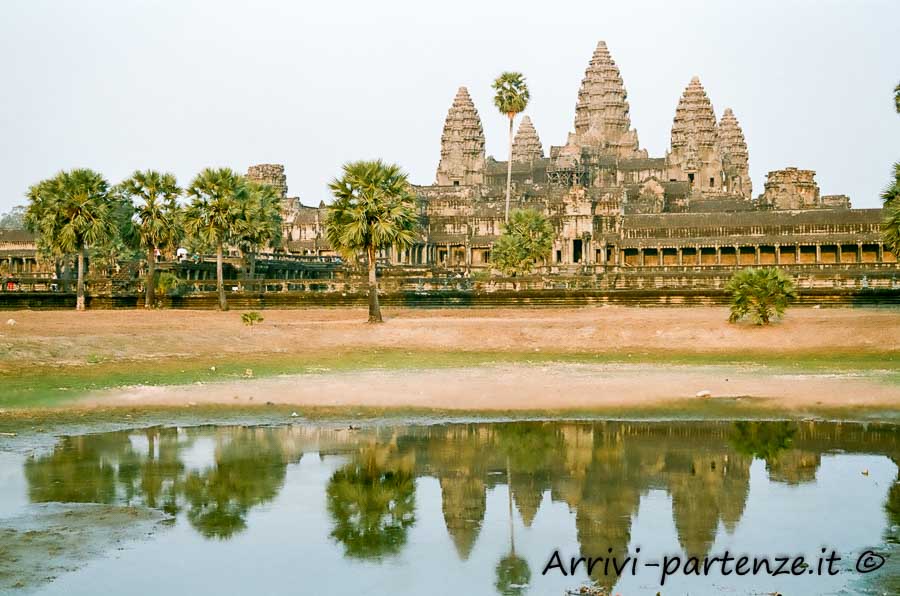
(215, 476)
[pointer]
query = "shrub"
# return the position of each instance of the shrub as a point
(251, 318)
(761, 294)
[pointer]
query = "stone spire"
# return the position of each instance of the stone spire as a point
(735, 157)
(601, 114)
(694, 156)
(462, 144)
(527, 145)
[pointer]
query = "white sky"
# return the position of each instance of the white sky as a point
(118, 85)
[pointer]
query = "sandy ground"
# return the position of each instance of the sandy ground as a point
(555, 386)
(70, 338)
(65, 339)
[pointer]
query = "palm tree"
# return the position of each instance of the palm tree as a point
(212, 214)
(513, 573)
(511, 98)
(760, 294)
(526, 240)
(891, 192)
(258, 223)
(71, 212)
(374, 208)
(890, 229)
(158, 217)
(897, 98)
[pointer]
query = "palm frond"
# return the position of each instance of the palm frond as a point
(511, 93)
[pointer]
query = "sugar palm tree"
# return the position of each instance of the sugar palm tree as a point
(890, 229)
(511, 98)
(259, 222)
(513, 573)
(760, 294)
(374, 208)
(70, 213)
(526, 241)
(891, 193)
(213, 212)
(158, 218)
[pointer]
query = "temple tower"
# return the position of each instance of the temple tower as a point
(602, 118)
(735, 157)
(527, 145)
(791, 188)
(462, 144)
(271, 174)
(694, 156)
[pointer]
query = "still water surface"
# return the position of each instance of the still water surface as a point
(446, 509)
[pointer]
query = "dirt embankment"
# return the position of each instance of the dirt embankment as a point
(64, 338)
(422, 373)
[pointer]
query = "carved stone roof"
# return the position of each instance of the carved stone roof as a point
(695, 122)
(462, 144)
(527, 145)
(602, 114)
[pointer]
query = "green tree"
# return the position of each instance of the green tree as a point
(258, 223)
(765, 440)
(374, 208)
(897, 98)
(890, 228)
(158, 218)
(891, 192)
(70, 213)
(526, 240)
(213, 213)
(511, 97)
(760, 294)
(14, 219)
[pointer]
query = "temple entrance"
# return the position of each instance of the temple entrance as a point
(576, 251)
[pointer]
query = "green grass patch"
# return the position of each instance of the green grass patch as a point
(49, 386)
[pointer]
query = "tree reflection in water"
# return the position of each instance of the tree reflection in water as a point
(372, 502)
(599, 469)
(249, 471)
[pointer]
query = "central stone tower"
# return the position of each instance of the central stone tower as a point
(602, 119)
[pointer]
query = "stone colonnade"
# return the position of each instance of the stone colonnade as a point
(584, 252)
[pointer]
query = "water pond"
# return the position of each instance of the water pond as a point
(475, 508)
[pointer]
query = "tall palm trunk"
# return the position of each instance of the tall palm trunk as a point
(374, 307)
(150, 284)
(512, 536)
(220, 278)
(509, 167)
(79, 292)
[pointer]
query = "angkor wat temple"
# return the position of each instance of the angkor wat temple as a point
(612, 204)
(668, 226)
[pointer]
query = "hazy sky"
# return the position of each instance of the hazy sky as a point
(118, 85)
